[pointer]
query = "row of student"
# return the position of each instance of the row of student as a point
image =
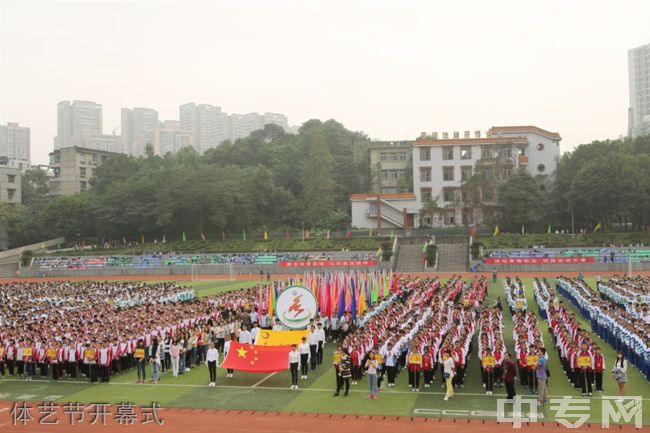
(415, 334)
(515, 294)
(623, 331)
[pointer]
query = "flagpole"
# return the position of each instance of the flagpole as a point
(573, 230)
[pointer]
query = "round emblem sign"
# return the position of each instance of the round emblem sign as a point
(295, 307)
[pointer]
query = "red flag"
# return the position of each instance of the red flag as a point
(473, 232)
(349, 234)
(257, 359)
(287, 235)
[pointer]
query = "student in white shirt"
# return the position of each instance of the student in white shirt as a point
(226, 348)
(254, 332)
(211, 359)
(294, 361)
(312, 340)
(245, 336)
(303, 350)
(320, 336)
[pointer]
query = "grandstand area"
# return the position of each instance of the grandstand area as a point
(599, 255)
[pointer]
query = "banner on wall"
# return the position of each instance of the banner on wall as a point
(326, 263)
(538, 260)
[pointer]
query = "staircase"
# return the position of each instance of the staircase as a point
(409, 255)
(453, 257)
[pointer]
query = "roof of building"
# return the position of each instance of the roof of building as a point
(469, 141)
(527, 128)
(394, 196)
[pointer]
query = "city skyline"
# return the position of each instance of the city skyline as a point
(392, 75)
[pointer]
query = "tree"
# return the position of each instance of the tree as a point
(521, 198)
(319, 188)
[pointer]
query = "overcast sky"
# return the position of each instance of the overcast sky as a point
(389, 68)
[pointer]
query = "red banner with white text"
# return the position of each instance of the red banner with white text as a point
(327, 263)
(538, 260)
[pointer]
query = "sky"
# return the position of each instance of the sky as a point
(391, 69)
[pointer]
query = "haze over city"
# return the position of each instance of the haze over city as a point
(390, 69)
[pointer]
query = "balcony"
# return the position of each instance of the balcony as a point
(523, 160)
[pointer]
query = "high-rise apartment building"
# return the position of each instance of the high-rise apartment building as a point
(639, 77)
(138, 125)
(15, 145)
(76, 118)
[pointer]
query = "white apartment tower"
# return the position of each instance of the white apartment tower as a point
(15, 145)
(138, 125)
(639, 77)
(76, 118)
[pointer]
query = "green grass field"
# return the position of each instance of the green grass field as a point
(271, 392)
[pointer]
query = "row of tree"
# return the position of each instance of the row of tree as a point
(270, 179)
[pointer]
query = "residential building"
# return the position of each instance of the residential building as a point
(639, 81)
(73, 167)
(76, 118)
(15, 145)
(394, 211)
(441, 166)
(390, 165)
(10, 181)
(97, 141)
(168, 138)
(202, 121)
(138, 125)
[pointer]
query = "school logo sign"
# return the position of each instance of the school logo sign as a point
(295, 307)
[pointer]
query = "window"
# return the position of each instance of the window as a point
(82, 172)
(465, 196)
(465, 173)
(402, 156)
(488, 194)
(505, 152)
(93, 172)
(425, 154)
(507, 173)
(11, 193)
(487, 173)
(486, 152)
(466, 152)
(541, 168)
(448, 173)
(425, 193)
(82, 158)
(448, 194)
(448, 153)
(449, 217)
(425, 174)
(426, 220)
(11, 178)
(388, 190)
(540, 146)
(94, 159)
(82, 185)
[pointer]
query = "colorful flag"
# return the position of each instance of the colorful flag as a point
(164, 240)
(202, 236)
(287, 235)
(270, 307)
(256, 359)
(267, 337)
(496, 231)
(243, 231)
(349, 234)
(523, 230)
(548, 230)
(353, 305)
(142, 239)
(473, 232)
(340, 311)
(379, 252)
(598, 227)
(223, 235)
(328, 234)
(307, 235)
(425, 247)
(184, 238)
(370, 233)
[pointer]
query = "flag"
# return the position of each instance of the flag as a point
(349, 234)
(328, 234)
(523, 230)
(271, 301)
(307, 235)
(370, 233)
(223, 235)
(267, 337)
(142, 239)
(184, 238)
(287, 235)
(340, 311)
(202, 236)
(548, 230)
(164, 240)
(598, 227)
(266, 235)
(379, 252)
(496, 231)
(353, 305)
(424, 247)
(392, 235)
(473, 232)
(124, 240)
(256, 359)
(243, 231)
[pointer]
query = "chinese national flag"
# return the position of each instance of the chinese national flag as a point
(257, 359)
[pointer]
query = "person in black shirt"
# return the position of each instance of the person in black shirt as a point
(345, 372)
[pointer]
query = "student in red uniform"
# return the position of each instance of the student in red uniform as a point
(498, 365)
(54, 357)
(10, 353)
(28, 359)
(599, 367)
(356, 365)
(522, 363)
(585, 373)
(413, 368)
(40, 359)
(427, 367)
(459, 365)
(488, 373)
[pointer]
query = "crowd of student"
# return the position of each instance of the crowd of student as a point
(624, 331)
(633, 293)
(515, 294)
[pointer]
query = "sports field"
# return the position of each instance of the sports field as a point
(270, 392)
